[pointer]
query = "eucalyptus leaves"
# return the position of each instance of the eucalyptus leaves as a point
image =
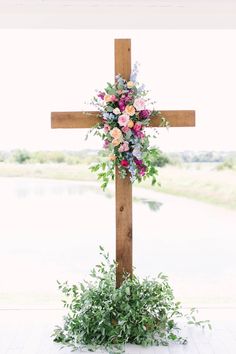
(100, 315)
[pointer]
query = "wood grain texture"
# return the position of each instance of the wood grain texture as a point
(123, 186)
(123, 227)
(62, 120)
(123, 58)
(182, 118)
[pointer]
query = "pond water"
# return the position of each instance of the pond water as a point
(52, 229)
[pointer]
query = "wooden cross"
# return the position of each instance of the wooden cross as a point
(123, 186)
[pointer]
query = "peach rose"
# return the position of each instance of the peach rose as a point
(130, 84)
(130, 123)
(116, 142)
(116, 133)
(107, 98)
(130, 110)
(112, 157)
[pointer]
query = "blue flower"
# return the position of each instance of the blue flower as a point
(134, 73)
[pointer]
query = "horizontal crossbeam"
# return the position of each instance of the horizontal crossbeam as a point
(90, 119)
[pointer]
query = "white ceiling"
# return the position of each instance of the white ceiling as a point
(122, 14)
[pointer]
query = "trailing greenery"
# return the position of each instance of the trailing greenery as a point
(99, 315)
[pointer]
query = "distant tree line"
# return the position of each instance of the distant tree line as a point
(223, 159)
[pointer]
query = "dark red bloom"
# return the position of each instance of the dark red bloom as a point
(124, 163)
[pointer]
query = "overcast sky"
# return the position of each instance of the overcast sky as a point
(52, 70)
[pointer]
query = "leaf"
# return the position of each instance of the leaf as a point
(127, 291)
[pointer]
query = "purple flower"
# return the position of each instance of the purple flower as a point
(106, 144)
(140, 166)
(142, 170)
(121, 105)
(140, 134)
(144, 114)
(138, 162)
(101, 95)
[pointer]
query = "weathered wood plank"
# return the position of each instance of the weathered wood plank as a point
(182, 118)
(123, 186)
(123, 58)
(74, 119)
(89, 119)
(123, 227)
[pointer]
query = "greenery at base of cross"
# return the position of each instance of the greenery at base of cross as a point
(141, 312)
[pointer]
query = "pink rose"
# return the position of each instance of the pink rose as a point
(124, 147)
(139, 104)
(106, 144)
(113, 98)
(123, 120)
(137, 127)
(106, 128)
(125, 129)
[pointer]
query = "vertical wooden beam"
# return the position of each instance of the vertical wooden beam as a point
(123, 186)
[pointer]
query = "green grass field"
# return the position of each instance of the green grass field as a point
(197, 181)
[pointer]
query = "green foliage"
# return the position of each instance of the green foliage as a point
(39, 157)
(228, 164)
(20, 156)
(2, 156)
(140, 312)
(162, 160)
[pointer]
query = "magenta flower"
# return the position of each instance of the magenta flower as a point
(142, 170)
(137, 127)
(144, 114)
(101, 95)
(140, 134)
(122, 104)
(140, 166)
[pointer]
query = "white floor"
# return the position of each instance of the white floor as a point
(29, 331)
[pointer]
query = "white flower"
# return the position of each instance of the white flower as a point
(139, 104)
(116, 111)
(137, 153)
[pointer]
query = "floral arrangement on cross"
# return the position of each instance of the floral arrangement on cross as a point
(123, 108)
